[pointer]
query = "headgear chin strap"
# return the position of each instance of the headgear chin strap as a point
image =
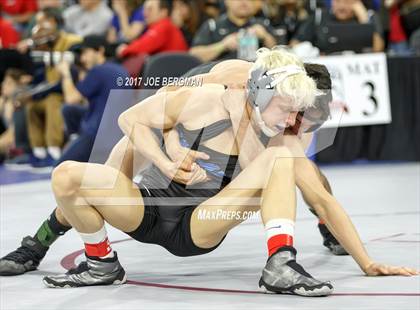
(264, 128)
(261, 89)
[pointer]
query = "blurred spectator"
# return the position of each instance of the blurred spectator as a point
(401, 19)
(259, 8)
(8, 34)
(410, 14)
(82, 122)
(342, 11)
(397, 37)
(185, 15)
(18, 11)
(415, 42)
(128, 21)
(286, 16)
(161, 34)
(369, 4)
(45, 122)
(11, 58)
(219, 39)
(13, 131)
(209, 9)
(42, 4)
(8, 87)
(372, 4)
(88, 17)
(312, 5)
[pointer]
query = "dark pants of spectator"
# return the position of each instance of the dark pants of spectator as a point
(80, 148)
(21, 130)
(73, 115)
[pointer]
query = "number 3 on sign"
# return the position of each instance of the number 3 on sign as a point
(371, 97)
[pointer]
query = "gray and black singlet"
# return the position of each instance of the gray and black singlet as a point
(169, 205)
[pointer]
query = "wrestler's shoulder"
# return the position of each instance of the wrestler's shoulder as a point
(227, 64)
(204, 89)
(202, 94)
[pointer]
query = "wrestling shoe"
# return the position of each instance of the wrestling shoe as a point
(330, 242)
(93, 271)
(25, 258)
(283, 275)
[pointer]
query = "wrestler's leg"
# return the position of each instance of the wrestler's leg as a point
(123, 157)
(88, 195)
(243, 195)
(273, 172)
(209, 235)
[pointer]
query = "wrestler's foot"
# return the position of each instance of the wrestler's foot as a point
(330, 242)
(282, 274)
(93, 271)
(25, 258)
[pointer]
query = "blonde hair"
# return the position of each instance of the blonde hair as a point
(299, 88)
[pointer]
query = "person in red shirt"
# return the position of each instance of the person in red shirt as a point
(8, 35)
(397, 37)
(19, 11)
(161, 34)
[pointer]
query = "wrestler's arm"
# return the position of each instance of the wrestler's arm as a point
(306, 140)
(159, 111)
(125, 158)
(336, 219)
(328, 208)
(121, 157)
(129, 161)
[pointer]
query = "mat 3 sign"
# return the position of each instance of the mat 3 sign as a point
(360, 89)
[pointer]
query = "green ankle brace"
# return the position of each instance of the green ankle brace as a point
(45, 235)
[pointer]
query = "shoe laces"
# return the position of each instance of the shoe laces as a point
(22, 255)
(298, 268)
(82, 267)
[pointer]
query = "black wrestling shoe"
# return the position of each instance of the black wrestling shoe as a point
(330, 242)
(25, 258)
(283, 275)
(93, 271)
